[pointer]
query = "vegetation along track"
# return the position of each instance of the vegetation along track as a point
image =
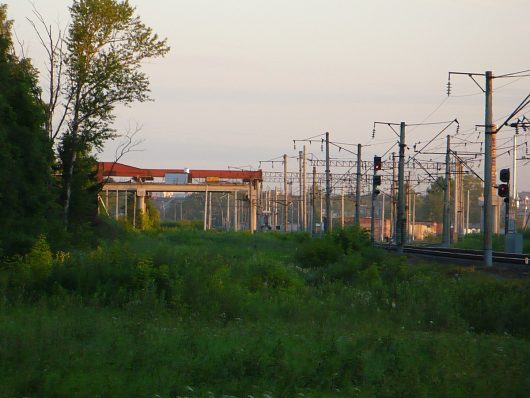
(513, 262)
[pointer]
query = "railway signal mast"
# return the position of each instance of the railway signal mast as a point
(376, 182)
(503, 191)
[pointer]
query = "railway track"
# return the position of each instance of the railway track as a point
(466, 254)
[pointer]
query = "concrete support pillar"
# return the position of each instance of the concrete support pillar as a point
(139, 203)
(252, 201)
(275, 209)
(205, 221)
(117, 205)
(141, 200)
(236, 213)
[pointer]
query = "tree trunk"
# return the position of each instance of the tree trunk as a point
(70, 173)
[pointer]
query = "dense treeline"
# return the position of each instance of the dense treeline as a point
(28, 192)
(48, 180)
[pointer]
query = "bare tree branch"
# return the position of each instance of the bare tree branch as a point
(52, 40)
(21, 45)
(129, 144)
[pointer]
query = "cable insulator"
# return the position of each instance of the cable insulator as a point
(373, 133)
(448, 88)
(294, 144)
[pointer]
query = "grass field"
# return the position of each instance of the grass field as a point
(185, 313)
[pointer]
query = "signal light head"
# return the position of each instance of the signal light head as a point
(503, 190)
(377, 163)
(505, 175)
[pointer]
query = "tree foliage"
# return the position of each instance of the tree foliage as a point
(430, 205)
(105, 47)
(26, 184)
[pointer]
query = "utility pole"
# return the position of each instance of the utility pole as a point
(490, 130)
(446, 235)
(401, 220)
(358, 187)
(393, 201)
(414, 216)
(455, 201)
(286, 195)
(467, 214)
(382, 232)
(321, 211)
(460, 199)
(300, 189)
(292, 207)
(327, 226)
(342, 208)
(372, 209)
(304, 190)
(314, 203)
(514, 185)
(275, 208)
(408, 206)
(489, 164)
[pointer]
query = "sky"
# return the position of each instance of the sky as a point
(246, 77)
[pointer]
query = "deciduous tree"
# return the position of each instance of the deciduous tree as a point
(106, 45)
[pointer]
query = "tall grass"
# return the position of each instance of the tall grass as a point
(181, 312)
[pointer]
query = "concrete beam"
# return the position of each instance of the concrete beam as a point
(156, 187)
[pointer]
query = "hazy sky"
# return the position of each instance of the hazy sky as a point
(245, 77)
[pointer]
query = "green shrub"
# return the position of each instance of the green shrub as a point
(318, 253)
(352, 239)
(264, 274)
(494, 306)
(39, 260)
(347, 269)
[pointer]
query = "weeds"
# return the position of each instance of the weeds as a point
(181, 312)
